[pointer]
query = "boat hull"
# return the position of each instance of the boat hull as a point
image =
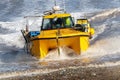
(78, 41)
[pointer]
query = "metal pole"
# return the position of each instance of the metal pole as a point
(55, 2)
(64, 5)
(57, 40)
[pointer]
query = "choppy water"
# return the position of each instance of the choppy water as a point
(104, 16)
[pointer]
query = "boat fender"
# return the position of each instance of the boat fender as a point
(92, 31)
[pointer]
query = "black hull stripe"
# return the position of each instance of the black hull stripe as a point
(59, 37)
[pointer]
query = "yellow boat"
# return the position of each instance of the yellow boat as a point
(57, 30)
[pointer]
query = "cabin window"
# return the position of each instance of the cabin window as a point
(46, 24)
(57, 23)
(68, 21)
(64, 22)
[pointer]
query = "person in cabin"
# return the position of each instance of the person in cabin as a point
(67, 22)
(58, 23)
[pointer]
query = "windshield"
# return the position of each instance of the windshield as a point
(64, 22)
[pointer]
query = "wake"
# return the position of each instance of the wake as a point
(104, 45)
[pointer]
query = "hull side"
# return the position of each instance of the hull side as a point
(41, 47)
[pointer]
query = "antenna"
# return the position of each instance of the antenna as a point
(55, 2)
(85, 16)
(64, 5)
(26, 25)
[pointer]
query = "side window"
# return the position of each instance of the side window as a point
(46, 24)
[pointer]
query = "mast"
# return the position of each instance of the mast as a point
(55, 3)
(64, 5)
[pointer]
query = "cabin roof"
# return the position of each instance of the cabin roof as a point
(57, 15)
